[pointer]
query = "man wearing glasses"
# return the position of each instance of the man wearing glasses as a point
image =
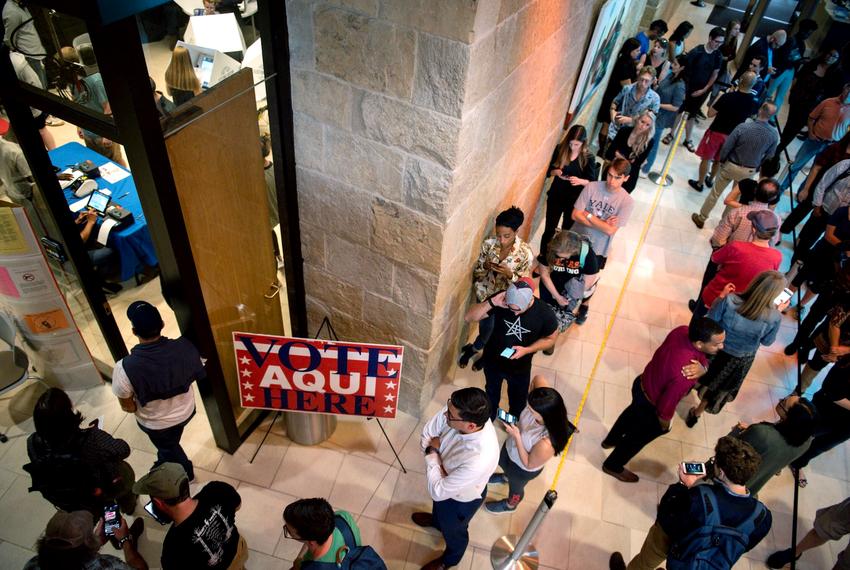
(461, 452)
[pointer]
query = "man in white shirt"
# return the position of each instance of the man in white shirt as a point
(155, 381)
(461, 452)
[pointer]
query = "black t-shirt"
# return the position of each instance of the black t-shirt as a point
(732, 108)
(564, 270)
(208, 538)
(518, 330)
(839, 219)
(699, 67)
(562, 189)
(621, 144)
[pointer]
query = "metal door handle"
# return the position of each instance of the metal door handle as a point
(274, 289)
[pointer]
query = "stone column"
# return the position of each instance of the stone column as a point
(416, 122)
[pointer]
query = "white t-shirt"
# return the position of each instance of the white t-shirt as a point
(531, 433)
(158, 414)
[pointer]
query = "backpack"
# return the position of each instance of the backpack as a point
(65, 479)
(713, 546)
(349, 556)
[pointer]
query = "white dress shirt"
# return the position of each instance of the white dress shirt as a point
(468, 459)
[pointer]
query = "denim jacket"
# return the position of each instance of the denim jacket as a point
(743, 336)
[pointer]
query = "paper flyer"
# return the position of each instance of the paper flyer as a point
(105, 227)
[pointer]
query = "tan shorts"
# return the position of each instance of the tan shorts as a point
(241, 557)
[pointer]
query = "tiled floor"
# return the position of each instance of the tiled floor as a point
(594, 514)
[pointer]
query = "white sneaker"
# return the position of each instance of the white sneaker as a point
(52, 121)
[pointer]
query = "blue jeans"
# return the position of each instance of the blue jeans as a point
(485, 329)
(518, 383)
(808, 150)
(778, 87)
(167, 443)
(452, 518)
(653, 152)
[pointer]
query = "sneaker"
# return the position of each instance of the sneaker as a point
(642, 174)
(698, 222)
(709, 181)
(781, 558)
(52, 121)
(549, 351)
(498, 479)
(790, 350)
(616, 562)
(502, 507)
(692, 305)
(478, 365)
(581, 316)
(467, 352)
(696, 185)
(692, 419)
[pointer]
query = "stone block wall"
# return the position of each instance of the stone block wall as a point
(416, 121)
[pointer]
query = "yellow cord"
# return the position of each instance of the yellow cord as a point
(641, 239)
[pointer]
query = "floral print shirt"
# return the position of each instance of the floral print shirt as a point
(488, 282)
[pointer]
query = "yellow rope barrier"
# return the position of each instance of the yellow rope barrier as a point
(658, 191)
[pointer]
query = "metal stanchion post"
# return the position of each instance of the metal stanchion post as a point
(512, 553)
(654, 176)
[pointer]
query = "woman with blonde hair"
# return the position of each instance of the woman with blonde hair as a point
(633, 143)
(180, 79)
(750, 319)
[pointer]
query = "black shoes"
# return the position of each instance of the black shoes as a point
(696, 185)
(781, 558)
(692, 305)
(709, 181)
(467, 352)
(698, 222)
(581, 315)
(616, 562)
(692, 418)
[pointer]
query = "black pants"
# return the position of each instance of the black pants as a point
(518, 477)
(452, 518)
(803, 340)
(637, 425)
(167, 443)
(710, 271)
(797, 117)
(556, 208)
(810, 233)
(518, 383)
(800, 211)
(833, 426)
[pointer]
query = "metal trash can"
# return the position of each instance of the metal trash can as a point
(308, 428)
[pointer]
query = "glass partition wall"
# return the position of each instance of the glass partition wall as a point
(187, 117)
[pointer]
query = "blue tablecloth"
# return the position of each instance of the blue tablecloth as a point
(133, 243)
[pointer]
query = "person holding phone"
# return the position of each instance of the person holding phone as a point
(73, 540)
(751, 319)
(540, 433)
(503, 259)
(522, 326)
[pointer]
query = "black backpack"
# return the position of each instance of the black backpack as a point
(65, 479)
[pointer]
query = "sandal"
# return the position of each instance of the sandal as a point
(667, 139)
(467, 352)
(478, 364)
(692, 418)
(689, 144)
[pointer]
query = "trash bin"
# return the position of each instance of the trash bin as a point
(309, 429)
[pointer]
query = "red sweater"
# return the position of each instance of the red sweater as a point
(662, 379)
(740, 262)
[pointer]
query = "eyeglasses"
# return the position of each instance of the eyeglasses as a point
(288, 534)
(449, 414)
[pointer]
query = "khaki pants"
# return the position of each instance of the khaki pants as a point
(241, 557)
(729, 172)
(653, 553)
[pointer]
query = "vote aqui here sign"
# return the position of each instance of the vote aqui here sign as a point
(314, 375)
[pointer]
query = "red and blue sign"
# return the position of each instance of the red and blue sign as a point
(314, 375)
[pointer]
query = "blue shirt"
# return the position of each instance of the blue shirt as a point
(644, 42)
(743, 336)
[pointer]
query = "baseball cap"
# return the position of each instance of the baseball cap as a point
(145, 318)
(764, 221)
(163, 481)
(70, 530)
(520, 293)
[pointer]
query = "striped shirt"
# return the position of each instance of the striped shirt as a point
(737, 227)
(750, 143)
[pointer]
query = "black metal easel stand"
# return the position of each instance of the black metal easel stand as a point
(332, 333)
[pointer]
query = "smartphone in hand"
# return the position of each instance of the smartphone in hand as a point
(505, 416)
(111, 519)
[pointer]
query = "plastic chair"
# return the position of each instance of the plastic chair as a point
(82, 44)
(14, 362)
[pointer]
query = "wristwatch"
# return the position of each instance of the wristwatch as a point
(431, 449)
(121, 541)
(589, 215)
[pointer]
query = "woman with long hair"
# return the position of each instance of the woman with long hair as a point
(624, 73)
(750, 319)
(540, 433)
(671, 94)
(658, 59)
(503, 259)
(633, 143)
(779, 443)
(58, 431)
(568, 276)
(676, 45)
(180, 79)
(573, 168)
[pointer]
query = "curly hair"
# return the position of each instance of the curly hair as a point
(738, 459)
